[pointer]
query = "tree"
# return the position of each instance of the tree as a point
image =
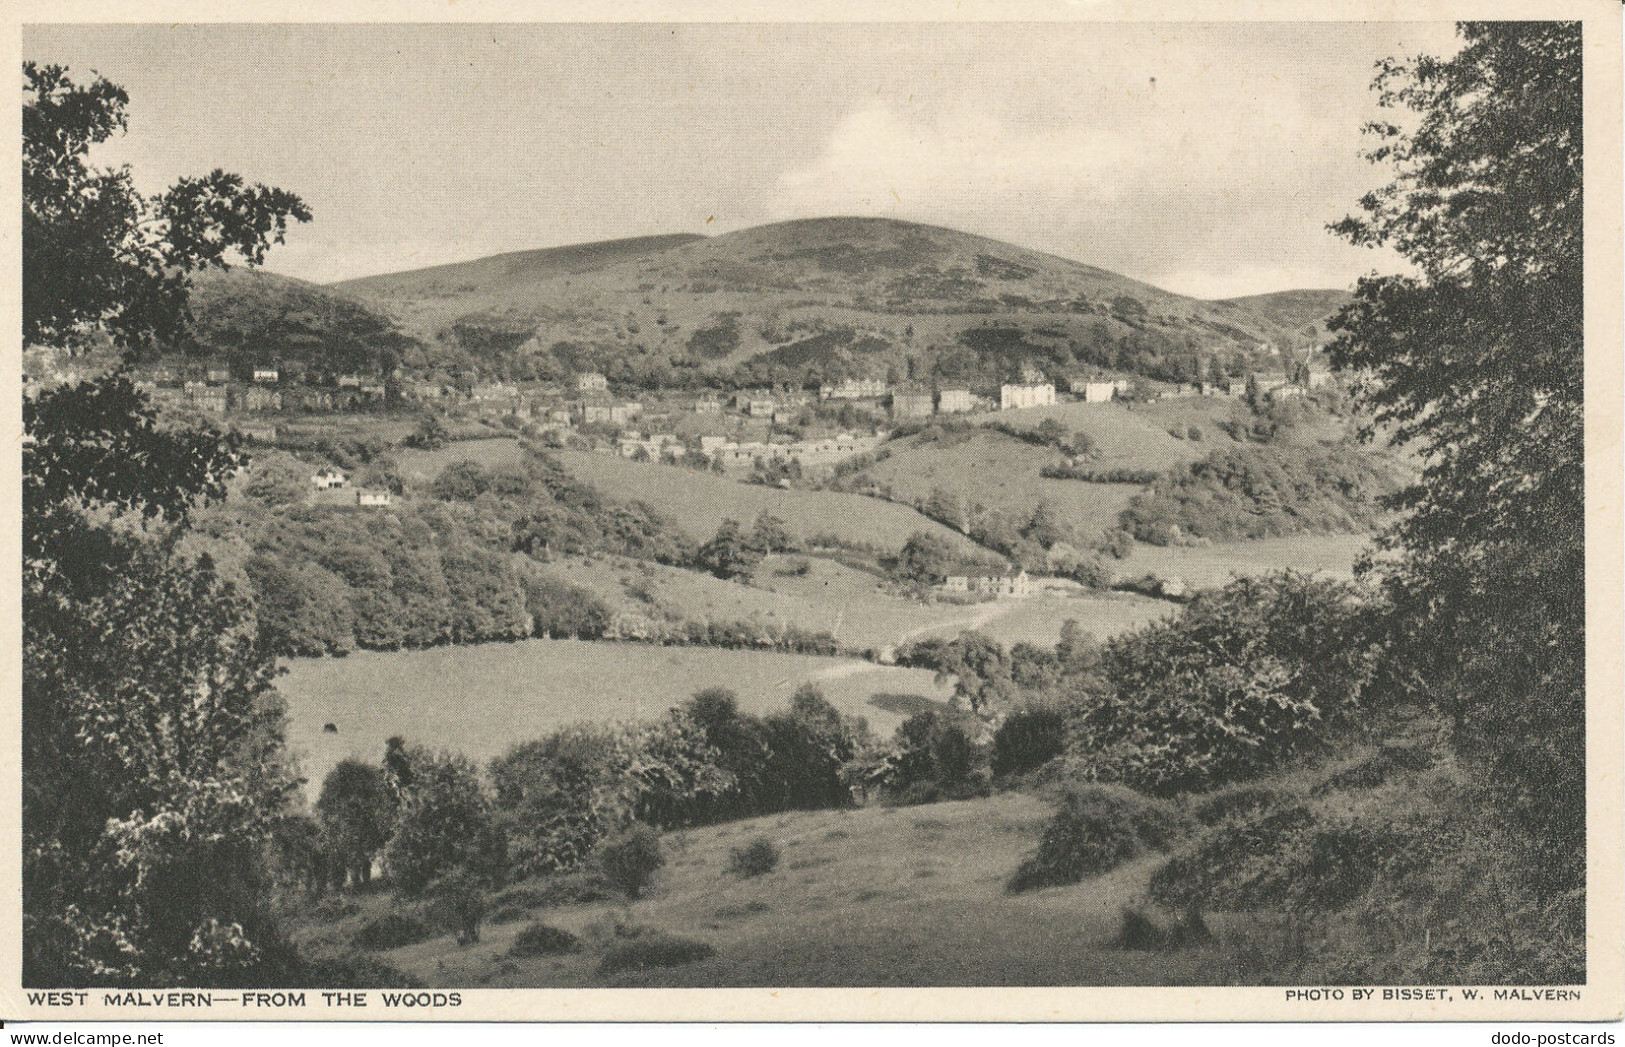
(772, 535)
(729, 554)
(980, 668)
(1477, 360)
(357, 811)
(1051, 431)
(444, 825)
(97, 254)
(152, 767)
(925, 558)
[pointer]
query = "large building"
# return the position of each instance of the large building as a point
(1017, 397)
(1098, 392)
(911, 402)
(854, 389)
(955, 401)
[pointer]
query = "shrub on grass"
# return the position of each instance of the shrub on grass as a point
(1027, 739)
(538, 939)
(629, 859)
(1291, 857)
(1141, 930)
(652, 949)
(1096, 828)
(1238, 801)
(353, 971)
(392, 930)
(757, 858)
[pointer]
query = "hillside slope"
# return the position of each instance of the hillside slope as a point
(823, 298)
(439, 294)
(699, 502)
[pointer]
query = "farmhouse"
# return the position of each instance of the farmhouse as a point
(267, 375)
(1017, 397)
(592, 382)
(999, 586)
(1098, 392)
(372, 497)
(955, 401)
(707, 405)
(328, 479)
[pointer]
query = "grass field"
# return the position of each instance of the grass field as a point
(998, 472)
(480, 700)
(1127, 436)
(420, 467)
(1329, 554)
(878, 896)
(699, 502)
(849, 604)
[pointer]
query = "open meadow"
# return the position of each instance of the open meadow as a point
(871, 897)
(699, 502)
(998, 472)
(481, 700)
(851, 605)
(1332, 555)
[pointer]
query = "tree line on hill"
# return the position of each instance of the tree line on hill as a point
(466, 562)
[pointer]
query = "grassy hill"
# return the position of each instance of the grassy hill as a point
(828, 296)
(428, 298)
(995, 471)
(1289, 310)
(699, 502)
(881, 896)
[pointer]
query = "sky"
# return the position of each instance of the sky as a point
(1205, 159)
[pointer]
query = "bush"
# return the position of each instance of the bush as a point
(354, 971)
(392, 930)
(757, 858)
(1289, 857)
(653, 949)
(1243, 679)
(1027, 739)
(1141, 930)
(1238, 801)
(459, 903)
(1096, 828)
(629, 859)
(538, 939)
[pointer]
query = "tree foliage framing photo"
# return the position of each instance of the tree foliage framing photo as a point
(1476, 358)
(152, 751)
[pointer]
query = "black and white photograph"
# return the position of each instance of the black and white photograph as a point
(901, 504)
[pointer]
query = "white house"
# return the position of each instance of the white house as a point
(1098, 392)
(329, 479)
(372, 497)
(1017, 397)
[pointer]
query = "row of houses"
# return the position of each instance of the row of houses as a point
(809, 454)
